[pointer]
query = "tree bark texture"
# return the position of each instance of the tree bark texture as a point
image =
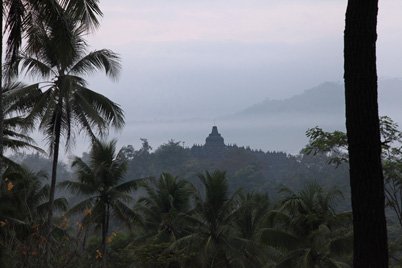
(1, 99)
(1, 96)
(51, 193)
(105, 231)
(362, 124)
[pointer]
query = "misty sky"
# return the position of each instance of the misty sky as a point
(207, 58)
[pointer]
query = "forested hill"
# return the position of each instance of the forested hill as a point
(327, 98)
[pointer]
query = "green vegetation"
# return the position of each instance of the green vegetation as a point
(101, 181)
(129, 208)
(64, 102)
(334, 144)
(207, 223)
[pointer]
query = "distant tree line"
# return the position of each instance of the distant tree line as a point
(251, 170)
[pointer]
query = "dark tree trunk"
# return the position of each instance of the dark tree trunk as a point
(1, 100)
(51, 194)
(1, 95)
(362, 123)
(105, 230)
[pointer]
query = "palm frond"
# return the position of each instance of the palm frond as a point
(107, 111)
(101, 59)
(14, 26)
(85, 11)
(129, 186)
(78, 187)
(330, 263)
(36, 68)
(81, 207)
(60, 204)
(16, 145)
(343, 245)
(279, 239)
(125, 213)
(21, 98)
(291, 259)
(115, 195)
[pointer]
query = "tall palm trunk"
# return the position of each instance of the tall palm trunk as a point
(56, 146)
(362, 124)
(105, 230)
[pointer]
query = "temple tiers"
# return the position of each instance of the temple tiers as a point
(214, 147)
(214, 140)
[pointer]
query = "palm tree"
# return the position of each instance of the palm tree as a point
(212, 240)
(18, 16)
(163, 207)
(29, 196)
(101, 179)
(162, 219)
(66, 104)
(308, 231)
(248, 220)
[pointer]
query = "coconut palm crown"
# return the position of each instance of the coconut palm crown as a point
(66, 101)
(19, 19)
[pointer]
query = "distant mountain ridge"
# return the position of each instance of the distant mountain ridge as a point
(326, 98)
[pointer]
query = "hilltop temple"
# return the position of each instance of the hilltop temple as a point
(214, 147)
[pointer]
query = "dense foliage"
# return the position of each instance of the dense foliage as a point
(175, 224)
(210, 219)
(172, 207)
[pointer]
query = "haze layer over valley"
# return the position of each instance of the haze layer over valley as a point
(271, 125)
